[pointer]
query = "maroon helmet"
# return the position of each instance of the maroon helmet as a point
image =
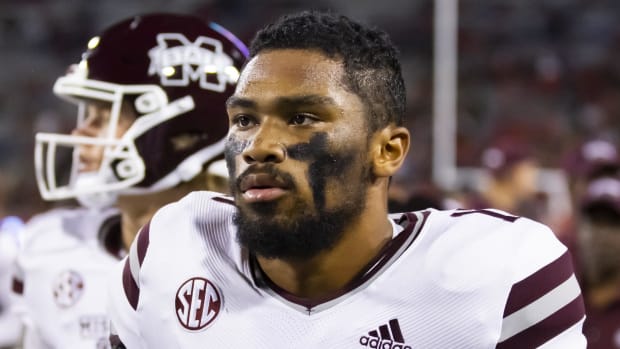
(176, 71)
(594, 158)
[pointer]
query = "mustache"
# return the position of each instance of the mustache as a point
(269, 170)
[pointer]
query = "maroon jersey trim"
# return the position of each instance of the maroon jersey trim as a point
(17, 286)
(143, 242)
(538, 284)
(132, 291)
(548, 328)
(130, 286)
(224, 199)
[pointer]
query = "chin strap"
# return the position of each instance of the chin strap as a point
(97, 200)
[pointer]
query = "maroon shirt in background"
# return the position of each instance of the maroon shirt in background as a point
(602, 326)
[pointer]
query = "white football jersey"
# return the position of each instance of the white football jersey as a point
(10, 328)
(62, 270)
(448, 279)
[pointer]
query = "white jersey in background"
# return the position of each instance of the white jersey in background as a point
(449, 279)
(10, 328)
(61, 277)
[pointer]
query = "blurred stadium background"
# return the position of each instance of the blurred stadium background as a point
(540, 72)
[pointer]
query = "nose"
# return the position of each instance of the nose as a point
(83, 131)
(266, 146)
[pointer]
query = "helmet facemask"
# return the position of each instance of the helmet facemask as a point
(121, 165)
(175, 72)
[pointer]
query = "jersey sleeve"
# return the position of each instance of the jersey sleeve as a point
(544, 308)
(125, 293)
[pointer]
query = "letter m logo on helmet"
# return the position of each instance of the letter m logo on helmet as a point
(178, 61)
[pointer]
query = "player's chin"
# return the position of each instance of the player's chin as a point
(259, 209)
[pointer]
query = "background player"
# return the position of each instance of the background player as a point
(151, 92)
(306, 254)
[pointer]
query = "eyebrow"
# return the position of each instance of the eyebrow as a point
(283, 102)
(234, 101)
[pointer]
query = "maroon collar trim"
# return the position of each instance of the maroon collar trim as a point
(412, 224)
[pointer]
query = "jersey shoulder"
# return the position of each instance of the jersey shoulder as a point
(200, 218)
(480, 224)
(491, 239)
(201, 210)
(62, 227)
(520, 260)
(197, 225)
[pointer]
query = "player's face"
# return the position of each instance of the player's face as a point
(97, 124)
(297, 153)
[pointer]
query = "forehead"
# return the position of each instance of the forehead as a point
(291, 72)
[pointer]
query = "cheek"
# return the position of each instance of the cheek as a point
(349, 179)
(121, 129)
(324, 160)
(332, 169)
(234, 147)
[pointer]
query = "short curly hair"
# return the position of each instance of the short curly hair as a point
(372, 68)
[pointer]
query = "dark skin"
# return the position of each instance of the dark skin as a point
(291, 112)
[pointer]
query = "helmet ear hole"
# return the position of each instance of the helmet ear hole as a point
(129, 168)
(147, 103)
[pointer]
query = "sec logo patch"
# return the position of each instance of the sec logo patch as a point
(197, 304)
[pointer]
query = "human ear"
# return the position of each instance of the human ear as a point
(390, 145)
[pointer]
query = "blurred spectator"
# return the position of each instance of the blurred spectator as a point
(592, 159)
(512, 185)
(596, 250)
(592, 234)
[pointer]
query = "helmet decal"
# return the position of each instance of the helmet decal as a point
(177, 60)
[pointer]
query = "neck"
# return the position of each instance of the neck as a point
(332, 270)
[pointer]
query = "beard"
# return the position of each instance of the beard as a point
(306, 227)
(303, 233)
(300, 238)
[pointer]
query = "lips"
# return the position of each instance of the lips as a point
(257, 187)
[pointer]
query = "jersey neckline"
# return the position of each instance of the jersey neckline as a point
(411, 224)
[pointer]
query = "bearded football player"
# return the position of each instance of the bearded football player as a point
(304, 253)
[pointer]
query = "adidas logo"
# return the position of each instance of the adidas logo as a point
(386, 337)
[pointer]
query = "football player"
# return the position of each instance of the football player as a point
(304, 253)
(151, 94)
